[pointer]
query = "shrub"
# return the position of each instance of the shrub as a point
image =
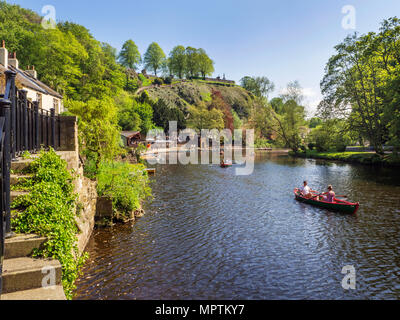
(262, 143)
(158, 81)
(132, 85)
(127, 184)
(168, 80)
(145, 82)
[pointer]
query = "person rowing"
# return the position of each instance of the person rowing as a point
(329, 196)
(306, 190)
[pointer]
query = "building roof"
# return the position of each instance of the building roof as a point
(27, 81)
(130, 134)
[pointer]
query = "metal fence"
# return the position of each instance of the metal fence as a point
(23, 127)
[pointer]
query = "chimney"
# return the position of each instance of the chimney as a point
(13, 61)
(4, 55)
(32, 72)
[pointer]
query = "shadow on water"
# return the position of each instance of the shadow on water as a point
(209, 234)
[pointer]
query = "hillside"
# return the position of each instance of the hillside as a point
(195, 93)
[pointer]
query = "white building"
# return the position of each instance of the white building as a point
(27, 80)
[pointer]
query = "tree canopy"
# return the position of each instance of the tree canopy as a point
(259, 86)
(154, 58)
(130, 55)
(177, 61)
(361, 84)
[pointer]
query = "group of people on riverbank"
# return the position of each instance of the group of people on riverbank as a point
(309, 194)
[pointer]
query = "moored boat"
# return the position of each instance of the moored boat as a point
(337, 205)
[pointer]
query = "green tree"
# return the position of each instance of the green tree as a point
(289, 123)
(277, 105)
(163, 114)
(130, 55)
(177, 61)
(128, 118)
(294, 92)
(192, 62)
(109, 51)
(330, 135)
(205, 64)
(145, 112)
(98, 129)
(360, 83)
(259, 86)
(154, 58)
(202, 118)
(314, 122)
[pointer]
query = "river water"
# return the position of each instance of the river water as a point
(209, 234)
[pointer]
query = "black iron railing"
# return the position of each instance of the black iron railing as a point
(23, 127)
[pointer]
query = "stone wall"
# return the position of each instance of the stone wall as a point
(86, 210)
(84, 187)
(68, 133)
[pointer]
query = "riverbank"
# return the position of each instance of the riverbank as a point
(369, 158)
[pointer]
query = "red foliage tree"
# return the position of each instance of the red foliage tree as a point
(219, 103)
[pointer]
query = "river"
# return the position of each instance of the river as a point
(209, 234)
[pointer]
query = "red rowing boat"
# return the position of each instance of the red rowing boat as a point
(337, 205)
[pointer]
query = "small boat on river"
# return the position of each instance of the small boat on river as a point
(151, 171)
(337, 205)
(226, 164)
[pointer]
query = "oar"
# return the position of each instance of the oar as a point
(341, 196)
(318, 195)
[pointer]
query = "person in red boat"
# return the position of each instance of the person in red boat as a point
(330, 195)
(306, 190)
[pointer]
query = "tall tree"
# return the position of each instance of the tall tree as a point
(154, 58)
(130, 55)
(109, 51)
(355, 85)
(259, 86)
(294, 92)
(192, 62)
(201, 118)
(205, 64)
(177, 61)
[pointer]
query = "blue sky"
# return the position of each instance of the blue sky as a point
(284, 40)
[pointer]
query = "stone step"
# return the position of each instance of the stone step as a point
(22, 245)
(20, 165)
(15, 194)
(49, 293)
(22, 274)
(15, 179)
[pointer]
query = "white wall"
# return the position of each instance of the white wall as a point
(47, 101)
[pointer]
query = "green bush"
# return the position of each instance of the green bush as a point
(49, 210)
(262, 143)
(168, 80)
(126, 184)
(145, 82)
(132, 85)
(158, 81)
